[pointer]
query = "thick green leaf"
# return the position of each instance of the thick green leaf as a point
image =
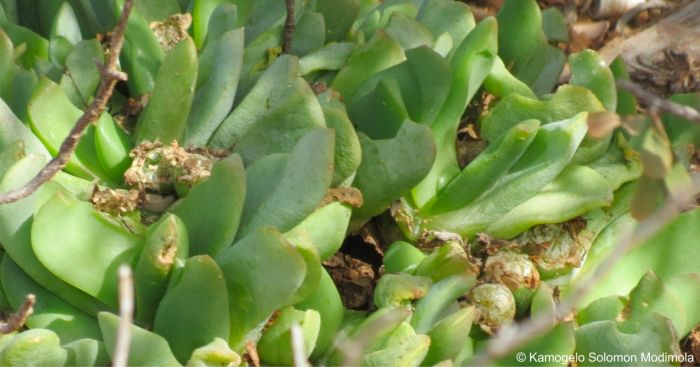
(558, 342)
(13, 130)
(402, 257)
(681, 131)
(471, 64)
(546, 69)
(201, 13)
(338, 17)
(162, 119)
(82, 246)
(50, 312)
(212, 209)
(157, 10)
(222, 20)
(277, 112)
(141, 56)
(36, 347)
(408, 32)
(554, 25)
(406, 353)
(214, 99)
(146, 348)
(275, 345)
(86, 352)
(325, 228)
(589, 70)
(263, 16)
(81, 69)
(520, 37)
(348, 153)
(7, 66)
(284, 123)
(548, 154)
(567, 102)
(166, 247)
(216, 353)
(332, 56)
(641, 332)
(301, 186)
(428, 309)
(626, 101)
(194, 311)
(575, 191)
(263, 272)
(326, 301)
(37, 48)
(446, 261)
(380, 53)
(449, 336)
(385, 174)
(501, 82)
(15, 230)
(309, 35)
(487, 168)
(52, 116)
(448, 17)
(669, 253)
(394, 290)
(112, 146)
(65, 26)
(380, 113)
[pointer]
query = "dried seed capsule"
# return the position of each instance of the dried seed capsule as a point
(495, 306)
(513, 270)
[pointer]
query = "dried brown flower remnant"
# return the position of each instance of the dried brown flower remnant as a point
(512, 269)
(116, 202)
(556, 248)
(172, 30)
(495, 306)
(166, 168)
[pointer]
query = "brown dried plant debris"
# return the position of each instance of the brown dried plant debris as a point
(354, 278)
(116, 202)
(430, 240)
(164, 168)
(172, 30)
(691, 346)
(345, 195)
(251, 354)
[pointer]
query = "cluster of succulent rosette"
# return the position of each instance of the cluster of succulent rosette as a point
(225, 173)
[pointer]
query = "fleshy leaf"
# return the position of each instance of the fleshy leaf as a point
(252, 297)
(212, 209)
(301, 186)
(194, 311)
(146, 348)
(82, 246)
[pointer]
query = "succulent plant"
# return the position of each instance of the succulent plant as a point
(226, 174)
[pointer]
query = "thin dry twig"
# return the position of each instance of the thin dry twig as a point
(17, 319)
(298, 348)
(656, 103)
(289, 25)
(126, 316)
(109, 78)
(516, 336)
